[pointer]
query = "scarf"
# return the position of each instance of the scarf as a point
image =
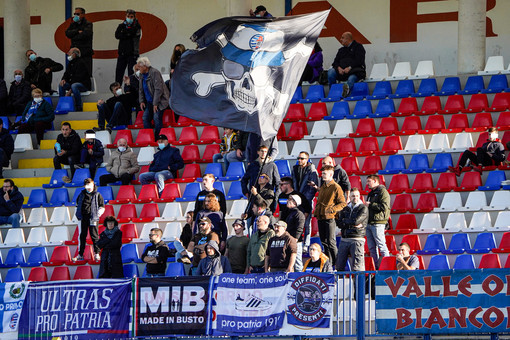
(110, 232)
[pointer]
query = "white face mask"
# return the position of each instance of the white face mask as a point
(69, 57)
(137, 73)
(38, 99)
(118, 92)
(17, 78)
(493, 135)
(122, 148)
(161, 146)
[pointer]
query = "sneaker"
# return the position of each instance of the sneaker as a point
(456, 170)
(79, 165)
(477, 168)
(184, 259)
(77, 258)
(251, 303)
(97, 257)
(66, 179)
(96, 129)
(345, 91)
(109, 129)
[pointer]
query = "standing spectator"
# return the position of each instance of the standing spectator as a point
(4, 97)
(329, 202)
(6, 147)
(182, 243)
(179, 49)
(269, 168)
(208, 183)
(256, 252)
(406, 261)
(92, 152)
(295, 227)
(76, 78)
(287, 189)
(39, 72)
(10, 204)
(258, 209)
(37, 116)
(211, 211)
(228, 141)
(19, 94)
(80, 32)
(214, 263)
(255, 142)
(237, 247)
(281, 251)
(263, 191)
(378, 203)
(122, 165)
(156, 254)
(167, 160)
(313, 68)
(89, 208)
(67, 149)
(260, 12)
(339, 176)
(131, 87)
(239, 149)
(199, 240)
(353, 221)
(318, 261)
(110, 241)
(116, 110)
(128, 33)
(153, 95)
(349, 63)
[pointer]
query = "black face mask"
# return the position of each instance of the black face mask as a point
(178, 54)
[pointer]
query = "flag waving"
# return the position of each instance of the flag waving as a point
(245, 71)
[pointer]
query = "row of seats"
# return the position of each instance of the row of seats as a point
(441, 262)
(402, 70)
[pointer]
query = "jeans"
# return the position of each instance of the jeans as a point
(180, 248)
(232, 157)
(354, 247)
(76, 88)
(298, 265)
(156, 275)
(160, 177)
(333, 76)
(104, 114)
(149, 115)
(327, 230)
(13, 220)
(376, 239)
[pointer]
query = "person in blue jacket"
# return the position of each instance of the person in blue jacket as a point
(37, 116)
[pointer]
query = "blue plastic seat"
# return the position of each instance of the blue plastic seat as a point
(451, 85)
(215, 169)
(358, 91)
(37, 256)
(395, 165)
(441, 163)
(382, 90)
(458, 244)
(464, 261)
(129, 253)
(36, 199)
(72, 202)
(493, 181)
(65, 105)
(498, 83)
(283, 167)
(384, 109)
(235, 192)
(147, 245)
(14, 275)
(405, 88)
(340, 110)
(80, 175)
(234, 172)
(100, 172)
(483, 244)
(130, 270)
(56, 179)
(190, 193)
(5, 122)
(433, 245)
(362, 109)
(474, 84)
(419, 163)
(315, 93)
(174, 269)
(335, 93)
(219, 186)
(15, 257)
(59, 198)
(427, 88)
(439, 262)
(298, 95)
(106, 192)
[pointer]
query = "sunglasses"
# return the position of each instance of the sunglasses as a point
(301, 158)
(202, 224)
(153, 234)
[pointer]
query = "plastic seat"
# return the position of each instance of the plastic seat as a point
(234, 172)
(60, 255)
(430, 223)
(402, 70)
(434, 244)
(174, 269)
(346, 147)
(464, 261)
(38, 274)
(129, 253)
(283, 167)
(64, 105)
(149, 211)
(59, 197)
(58, 236)
(474, 84)
(14, 275)
(138, 124)
(350, 165)
(405, 88)
(497, 84)
(209, 151)
(427, 88)
(317, 111)
(507, 263)
(15, 237)
(188, 135)
(362, 109)
(169, 132)
(379, 72)
(300, 145)
(504, 244)
(15, 257)
(394, 165)
(388, 126)
(503, 122)
(388, 263)
(403, 203)
(451, 202)
(314, 94)
(171, 212)
(148, 193)
(391, 145)
(399, 184)
(470, 182)
(190, 192)
(83, 273)
(419, 163)
(415, 144)
(499, 200)
(501, 102)
(461, 142)
(322, 148)
(129, 231)
(190, 154)
(458, 123)
(422, 183)
(413, 241)
(407, 107)
(209, 135)
(435, 124)
(426, 203)
(482, 121)
(438, 143)
(494, 65)
(125, 195)
(127, 213)
(406, 223)
(172, 231)
(130, 270)
(372, 165)
(502, 221)
(481, 221)
(390, 243)
(60, 216)
(237, 209)
(477, 103)
(56, 179)
(296, 132)
(455, 222)
(367, 147)
(340, 110)
(126, 134)
(458, 244)
(493, 181)
(37, 217)
(146, 155)
(424, 69)
(79, 176)
(365, 128)
(145, 137)
(489, 261)
(431, 105)
(484, 243)
(37, 256)
(356, 183)
(295, 113)
(36, 199)
(441, 163)
(358, 91)
(320, 130)
(381, 90)
(439, 262)
(235, 191)
(454, 104)
(190, 173)
(298, 95)
(60, 274)
(451, 85)
(107, 212)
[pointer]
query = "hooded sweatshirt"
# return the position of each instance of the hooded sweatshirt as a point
(213, 265)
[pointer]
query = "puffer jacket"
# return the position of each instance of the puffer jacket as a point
(122, 162)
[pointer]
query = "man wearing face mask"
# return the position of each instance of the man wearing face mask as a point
(39, 72)
(11, 201)
(121, 166)
(19, 94)
(37, 116)
(128, 33)
(167, 160)
(80, 32)
(116, 110)
(76, 78)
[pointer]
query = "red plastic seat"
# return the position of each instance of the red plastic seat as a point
(430, 106)
(75, 239)
(447, 182)
(388, 126)
(38, 274)
(60, 255)
(126, 213)
(190, 154)
(148, 193)
(60, 274)
(371, 165)
(368, 146)
(403, 203)
(138, 124)
(399, 184)
(470, 182)
(504, 244)
(317, 112)
(422, 183)
(477, 103)
(297, 131)
(458, 123)
(356, 183)
(350, 165)
(345, 148)
(413, 241)
(503, 122)
(391, 244)
(406, 223)
(83, 273)
(435, 123)
(507, 263)
(489, 261)
(281, 132)
(108, 211)
(295, 113)
(411, 126)
(482, 138)
(390, 146)
(149, 211)
(145, 137)
(170, 193)
(426, 203)
(365, 128)
(501, 102)
(369, 263)
(129, 231)
(169, 132)
(168, 119)
(188, 135)
(185, 121)
(126, 134)
(190, 173)
(210, 134)
(482, 121)
(454, 104)
(388, 263)
(125, 195)
(209, 152)
(422, 263)
(407, 107)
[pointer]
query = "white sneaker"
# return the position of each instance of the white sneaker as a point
(97, 257)
(77, 258)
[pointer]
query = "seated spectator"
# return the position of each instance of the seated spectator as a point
(6, 147)
(260, 12)
(214, 263)
(405, 261)
(92, 152)
(238, 154)
(116, 110)
(211, 210)
(228, 141)
(182, 243)
(208, 184)
(281, 250)
(39, 72)
(76, 78)
(121, 165)
(19, 94)
(4, 97)
(196, 247)
(492, 152)
(318, 261)
(67, 149)
(156, 255)
(237, 246)
(269, 168)
(313, 68)
(10, 204)
(110, 241)
(37, 117)
(167, 160)
(131, 86)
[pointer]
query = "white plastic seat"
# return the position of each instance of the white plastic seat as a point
(171, 212)
(58, 236)
(237, 209)
(342, 128)
(415, 144)
(36, 237)
(144, 235)
(146, 155)
(451, 202)
(283, 151)
(430, 223)
(502, 221)
(104, 136)
(323, 148)
(500, 201)
(475, 201)
(37, 217)
(379, 72)
(438, 143)
(462, 142)
(481, 221)
(320, 130)
(507, 70)
(401, 71)
(60, 216)
(456, 222)
(424, 70)
(172, 231)
(15, 237)
(189, 207)
(299, 145)
(494, 65)
(23, 142)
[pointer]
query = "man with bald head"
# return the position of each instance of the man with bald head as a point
(121, 166)
(349, 63)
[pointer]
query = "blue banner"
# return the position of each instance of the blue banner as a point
(12, 296)
(85, 309)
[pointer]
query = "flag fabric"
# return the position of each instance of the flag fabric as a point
(12, 296)
(245, 71)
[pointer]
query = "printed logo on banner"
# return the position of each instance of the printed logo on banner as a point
(17, 289)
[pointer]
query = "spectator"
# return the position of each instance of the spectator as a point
(353, 221)
(238, 154)
(116, 110)
(80, 32)
(10, 204)
(263, 191)
(295, 227)
(76, 78)
(39, 72)
(228, 141)
(153, 95)
(349, 63)
(214, 263)
(131, 87)
(313, 68)
(329, 202)
(406, 261)
(260, 12)
(128, 33)
(19, 94)
(256, 252)
(211, 211)
(110, 241)
(4, 97)
(67, 149)
(6, 147)
(281, 251)
(185, 239)
(237, 247)
(121, 166)
(339, 176)
(255, 142)
(89, 208)
(92, 152)
(167, 160)
(252, 172)
(378, 203)
(37, 116)
(492, 152)
(179, 49)
(318, 261)
(208, 183)
(287, 189)
(258, 209)
(156, 254)
(199, 240)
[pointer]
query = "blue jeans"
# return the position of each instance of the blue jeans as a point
(13, 220)
(104, 114)
(179, 249)
(160, 177)
(149, 115)
(231, 157)
(155, 275)
(76, 88)
(333, 77)
(376, 239)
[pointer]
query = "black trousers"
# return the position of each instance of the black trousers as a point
(105, 179)
(86, 226)
(68, 160)
(481, 158)
(327, 229)
(122, 62)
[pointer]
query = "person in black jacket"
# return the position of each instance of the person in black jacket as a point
(269, 168)
(156, 254)
(76, 78)
(110, 241)
(287, 189)
(80, 32)
(91, 153)
(39, 71)
(263, 191)
(295, 227)
(6, 147)
(37, 116)
(208, 183)
(131, 86)
(67, 148)
(239, 152)
(353, 219)
(128, 33)
(11, 202)
(116, 110)
(4, 97)
(19, 94)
